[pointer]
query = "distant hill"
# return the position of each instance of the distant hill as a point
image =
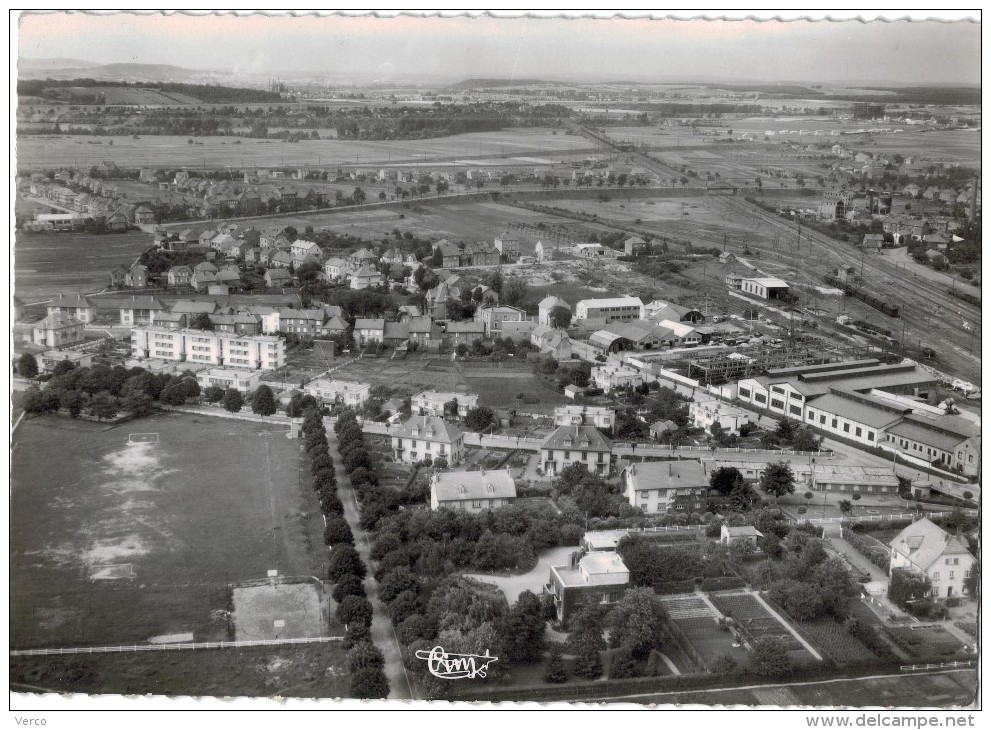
(488, 83)
(63, 69)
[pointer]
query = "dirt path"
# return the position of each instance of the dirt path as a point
(383, 635)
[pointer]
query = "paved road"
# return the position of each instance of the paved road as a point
(382, 634)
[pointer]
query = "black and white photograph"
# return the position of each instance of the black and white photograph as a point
(496, 361)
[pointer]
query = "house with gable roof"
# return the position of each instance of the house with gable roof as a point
(569, 445)
(471, 491)
(420, 437)
(925, 548)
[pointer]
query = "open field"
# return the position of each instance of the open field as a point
(307, 670)
(221, 152)
(502, 392)
(214, 502)
(48, 263)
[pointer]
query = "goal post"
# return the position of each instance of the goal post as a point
(142, 438)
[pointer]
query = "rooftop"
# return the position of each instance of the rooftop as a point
(459, 485)
(655, 475)
(577, 437)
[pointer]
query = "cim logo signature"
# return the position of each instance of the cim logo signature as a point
(455, 666)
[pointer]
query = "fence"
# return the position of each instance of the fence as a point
(925, 667)
(885, 518)
(172, 647)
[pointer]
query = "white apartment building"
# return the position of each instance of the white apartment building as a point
(704, 411)
(611, 377)
(598, 416)
(247, 352)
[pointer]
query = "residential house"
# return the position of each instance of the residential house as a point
(202, 280)
(493, 318)
(508, 245)
(551, 341)
(170, 320)
(362, 257)
(144, 215)
(395, 334)
(480, 253)
(705, 411)
(136, 277)
(74, 305)
(352, 395)
(739, 534)
(450, 254)
(422, 330)
(659, 428)
(543, 252)
(471, 491)
(464, 333)
(281, 260)
(334, 268)
(422, 437)
(178, 276)
(57, 331)
(368, 331)
(139, 309)
(634, 245)
(277, 278)
(598, 416)
(924, 548)
(432, 402)
(392, 257)
(364, 277)
(569, 445)
(611, 377)
(49, 359)
(547, 305)
(304, 251)
(241, 324)
(598, 578)
(659, 487)
(244, 381)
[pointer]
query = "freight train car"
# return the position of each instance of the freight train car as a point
(866, 297)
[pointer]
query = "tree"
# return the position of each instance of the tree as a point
(354, 610)
(770, 656)
(344, 560)
(522, 630)
(906, 586)
(349, 585)
(140, 404)
(972, 580)
(104, 406)
(263, 401)
(637, 622)
(555, 672)
(624, 664)
(777, 479)
(27, 366)
(451, 408)
(804, 439)
(369, 684)
(479, 418)
(62, 367)
(201, 321)
(365, 655)
(233, 400)
(725, 479)
(213, 394)
(560, 317)
(846, 506)
(174, 394)
(585, 641)
(337, 531)
(395, 582)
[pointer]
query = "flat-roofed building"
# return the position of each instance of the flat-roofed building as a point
(598, 416)
(599, 578)
(248, 352)
(611, 377)
(50, 358)
(432, 402)
(471, 491)
(615, 309)
(704, 411)
(351, 394)
(242, 380)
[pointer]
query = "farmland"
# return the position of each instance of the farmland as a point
(47, 264)
(214, 502)
(470, 150)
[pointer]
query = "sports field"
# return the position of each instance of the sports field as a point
(221, 152)
(49, 263)
(215, 501)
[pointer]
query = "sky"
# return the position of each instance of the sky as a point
(455, 48)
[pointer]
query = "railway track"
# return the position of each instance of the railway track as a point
(927, 312)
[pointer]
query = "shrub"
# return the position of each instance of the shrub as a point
(555, 672)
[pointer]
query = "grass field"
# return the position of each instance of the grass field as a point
(215, 501)
(220, 152)
(48, 263)
(308, 670)
(502, 392)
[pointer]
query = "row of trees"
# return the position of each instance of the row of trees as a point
(346, 569)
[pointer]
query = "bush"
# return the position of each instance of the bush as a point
(555, 672)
